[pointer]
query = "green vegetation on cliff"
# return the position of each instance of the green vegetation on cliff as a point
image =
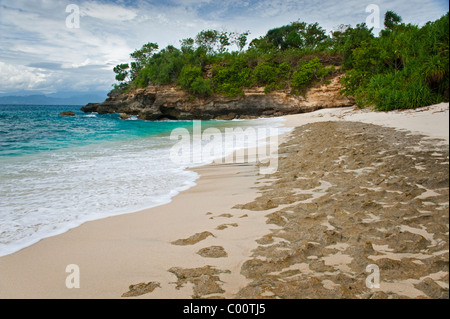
(406, 66)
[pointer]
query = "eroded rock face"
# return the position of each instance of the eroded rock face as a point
(162, 102)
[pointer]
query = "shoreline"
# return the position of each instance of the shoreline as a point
(116, 252)
(55, 252)
(135, 241)
(186, 179)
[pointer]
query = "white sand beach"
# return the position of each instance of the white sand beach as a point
(116, 252)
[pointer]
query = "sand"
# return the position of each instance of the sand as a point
(238, 234)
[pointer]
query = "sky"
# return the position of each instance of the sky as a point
(45, 49)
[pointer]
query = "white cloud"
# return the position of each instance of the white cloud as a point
(45, 80)
(108, 12)
(13, 77)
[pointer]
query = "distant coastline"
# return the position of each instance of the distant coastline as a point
(42, 99)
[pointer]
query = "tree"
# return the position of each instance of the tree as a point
(347, 38)
(224, 41)
(239, 39)
(391, 19)
(261, 44)
(297, 35)
(314, 35)
(187, 45)
(142, 57)
(121, 71)
(338, 35)
(288, 36)
(293, 39)
(207, 39)
(143, 54)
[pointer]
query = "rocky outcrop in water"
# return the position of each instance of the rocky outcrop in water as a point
(68, 113)
(162, 102)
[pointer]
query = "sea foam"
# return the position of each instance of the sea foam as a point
(49, 192)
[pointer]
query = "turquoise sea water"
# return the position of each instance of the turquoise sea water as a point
(58, 172)
(30, 129)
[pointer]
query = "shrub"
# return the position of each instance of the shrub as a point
(283, 71)
(230, 79)
(201, 87)
(269, 88)
(306, 73)
(265, 73)
(188, 74)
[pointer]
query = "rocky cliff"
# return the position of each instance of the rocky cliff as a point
(162, 102)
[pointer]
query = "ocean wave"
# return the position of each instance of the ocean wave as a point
(48, 193)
